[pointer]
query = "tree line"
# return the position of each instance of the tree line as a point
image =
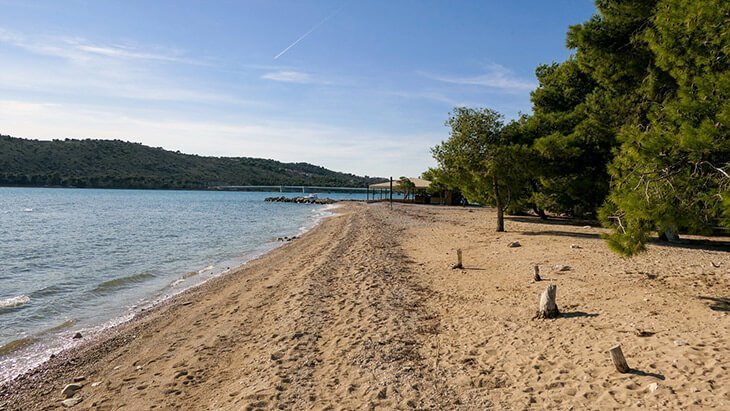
(631, 129)
(119, 164)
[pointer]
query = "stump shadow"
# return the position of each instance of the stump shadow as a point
(718, 303)
(646, 374)
(577, 314)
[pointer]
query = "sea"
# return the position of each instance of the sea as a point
(84, 260)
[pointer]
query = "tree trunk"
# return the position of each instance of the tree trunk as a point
(670, 235)
(540, 212)
(500, 210)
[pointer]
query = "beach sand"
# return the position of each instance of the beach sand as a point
(364, 312)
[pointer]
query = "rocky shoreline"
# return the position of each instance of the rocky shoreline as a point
(300, 200)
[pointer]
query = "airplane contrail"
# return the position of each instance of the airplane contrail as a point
(316, 26)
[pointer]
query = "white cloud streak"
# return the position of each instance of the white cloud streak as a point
(95, 71)
(496, 77)
(289, 76)
(77, 49)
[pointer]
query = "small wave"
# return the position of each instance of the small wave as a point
(48, 291)
(59, 327)
(16, 345)
(189, 274)
(14, 302)
(119, 283)
(27, 210)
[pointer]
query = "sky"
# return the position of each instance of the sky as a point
(359, 86)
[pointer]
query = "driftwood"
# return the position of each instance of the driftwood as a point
(548, 307)
(617, 356)
(536, 272)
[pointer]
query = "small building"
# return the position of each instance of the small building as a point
(418, 191)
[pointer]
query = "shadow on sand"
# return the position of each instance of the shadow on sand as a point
(688, 243)
(576, 314)
(718, 303)
(647, 374)
(553, 221)
(562, 234)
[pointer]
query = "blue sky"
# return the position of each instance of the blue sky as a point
(366, 89)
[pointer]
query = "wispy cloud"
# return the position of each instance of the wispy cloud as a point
(429, 95)
(289, 76)
(90, 70)
(496, 77)
(78, 49)
(294, 76)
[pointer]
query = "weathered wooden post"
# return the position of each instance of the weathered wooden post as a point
(617, 356)
(548, 307)
(536, 272)
(458, 260)
(391, 192)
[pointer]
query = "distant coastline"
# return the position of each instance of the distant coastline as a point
(118, 164)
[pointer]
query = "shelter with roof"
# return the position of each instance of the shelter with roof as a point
(417, 188)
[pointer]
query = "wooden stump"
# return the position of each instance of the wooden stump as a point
(459, 262)
(536, 272)
(548, 307)
(617, 356)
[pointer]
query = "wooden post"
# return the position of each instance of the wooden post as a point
(548, 307)
(617, 356)
(458, 264)
(391, 192)
(536, 272)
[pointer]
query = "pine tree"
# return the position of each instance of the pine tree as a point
(672, 171)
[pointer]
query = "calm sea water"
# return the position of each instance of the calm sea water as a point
(83, 260)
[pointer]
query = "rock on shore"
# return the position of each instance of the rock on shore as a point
(300, 200)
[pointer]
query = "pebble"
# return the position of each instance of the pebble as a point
(575, 246)
(653, 387)
(71, 402)
(77, 336)
(96, 384)
(79, 378)
(560, 267)
(514, 244)
(680, 343)
(70, 389)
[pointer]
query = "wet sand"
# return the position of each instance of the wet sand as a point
(364, 312)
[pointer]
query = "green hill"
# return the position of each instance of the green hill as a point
(119, 164)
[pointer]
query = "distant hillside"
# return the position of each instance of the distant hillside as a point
(119, 164)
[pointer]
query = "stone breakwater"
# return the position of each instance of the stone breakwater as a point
(300, 200)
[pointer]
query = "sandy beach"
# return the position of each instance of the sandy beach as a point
(364, 312)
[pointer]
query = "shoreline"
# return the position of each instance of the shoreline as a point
(364, 311)
(57, 343)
